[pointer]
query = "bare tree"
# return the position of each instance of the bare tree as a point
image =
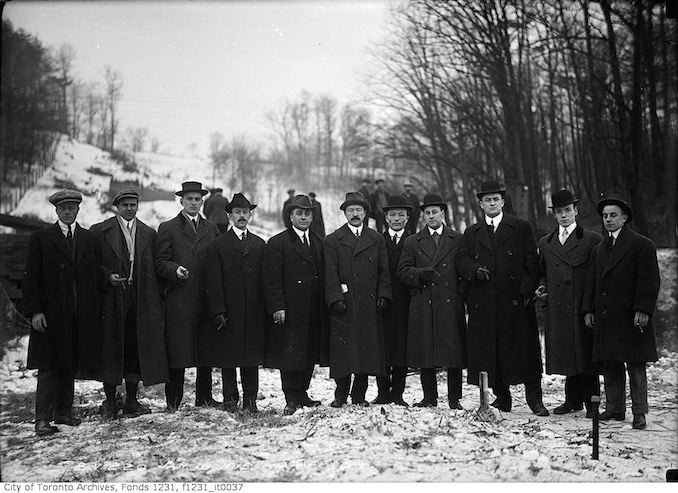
(113, 94)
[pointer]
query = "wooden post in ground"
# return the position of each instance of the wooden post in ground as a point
(484, 392)
(595, 401)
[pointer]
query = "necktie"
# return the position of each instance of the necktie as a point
(563, 237)
(357, 233)
(395, 239)
(129, 227)
(195, 225)
(69, 238)
(491, 227)
(436, 238)
(243, 237)
(610, 243)
(305, 240)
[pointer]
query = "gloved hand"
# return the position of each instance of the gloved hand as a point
(382, 303)
(482, 274)
(339, 307)
(427, 273)
(220, 320)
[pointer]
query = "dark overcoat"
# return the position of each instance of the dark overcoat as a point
(499, 326)
(185, 310)
(233, 286)
(293, 281)
(563, 271)
(215, 209)
(361, 266)
(150, 311)
(397, 313)
(65, 287)
(617, 286)
(436, 335)
(318, 223)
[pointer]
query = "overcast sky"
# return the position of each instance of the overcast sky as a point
(193, 68)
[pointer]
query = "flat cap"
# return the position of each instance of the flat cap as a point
(127, 193)
(65, 196)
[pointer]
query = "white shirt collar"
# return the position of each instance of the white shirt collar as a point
(239, 232)
(615, 234)
(399, 234)
(439, 230)
(126, 223)
(64, 227)
(300, 233)
(569, 229)
(358, 230)
(193, 218)
(495, 220)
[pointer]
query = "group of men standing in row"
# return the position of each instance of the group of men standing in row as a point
(119, 302)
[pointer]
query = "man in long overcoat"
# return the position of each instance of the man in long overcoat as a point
(564, 255)
(132, 313)
(357, 290)
(378, 201)
(296, 337)
(215, 209)
(390, 387)
(621, 294)
(499, 261)
(285, 218)
(179, 255)
(413, 200)
(436, 331)
(318, 223)
(60, 290)
(232, 283)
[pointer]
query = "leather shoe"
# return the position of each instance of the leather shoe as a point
(540, 410)
(290, 409)
(608, 415)
(207, 403)
(425, 403)
(308, 402)
(566, 407)
(67, 420)
(400, 402)
(230, 406)
(638, 422)
(503, 404)
(134, 409)
(382, 399)
(109, 410)
(337, 403)
(361, 403)
(43, 428)
(454, 404)
(250, 406)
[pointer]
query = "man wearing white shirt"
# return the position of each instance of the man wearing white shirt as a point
(564, 257)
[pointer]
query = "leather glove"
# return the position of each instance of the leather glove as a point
(220, 320)
(482, 274)
(427, 273)
(339, 307)
(382, 303)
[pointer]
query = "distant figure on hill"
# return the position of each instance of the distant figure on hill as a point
(366, 190)
(215, 209)
(318, 224)
(413, 200)
(286, 217)
(379, 200)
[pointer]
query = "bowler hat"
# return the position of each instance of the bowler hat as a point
(216, 190)
(397, 202)
(191, 186)
(65, 196)
(239, 200)
(354, 198)
(490, 186)
(127, 193)
(614, 199)
(311, 194)
(561, 198)
(299, 202)
(291, 190)
(433, 199)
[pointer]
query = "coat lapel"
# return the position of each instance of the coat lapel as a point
(364, 242)
(187, 228)
(234, 241)
(142, 239)
(346, 237)
(426, 243)
(504, 231)
(299, 248)
(556, 248)
(58, 239)
(446, 244)
(621, 246)
(483, 235)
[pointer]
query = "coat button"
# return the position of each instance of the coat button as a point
(299, 282)
(476, 305)
(371, 295)
(509, 252)
(447, 283)
(448, 300)
(476, 256)
(604, 293)
(515, 302)
(512, 276)
(444, 265)
(603, 311)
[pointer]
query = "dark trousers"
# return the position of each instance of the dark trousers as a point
(54, 394)
(358, 389)
(533, 393)
(393, 384)
(249, 377)
(174, 388)
(614, 378)
(429, 384)
(295, 384)
(579, 389)
(131, 366)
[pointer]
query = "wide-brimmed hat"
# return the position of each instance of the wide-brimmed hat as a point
(618, 200)
(216, 190)
(239, 200)
(299, 202)
(433, 199)
(291, 190)
(127, 193)
(354, 198)
(561, 198)
(65, 196)
(490, 186)
(191, 186)
(397, 202)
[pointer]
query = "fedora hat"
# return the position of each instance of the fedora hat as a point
(354, 198)
(615, 199)
(561, 198)
(127, 193)
(191, 186)
(65, 196)
(433, 199)
(299, 202)
(490, 186)
(239, 200)
(397, 202)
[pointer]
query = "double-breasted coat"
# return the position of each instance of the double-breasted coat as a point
(293, 281)
(500, 328)
(233, 286)
(150, 310)
(397, 313)
(178, 244)
(563, 271)
(357, 272)
(618, 285)
(437, 334)
(65, 287)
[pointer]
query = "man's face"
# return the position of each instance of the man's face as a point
(613, 217)
(240, 216)
(355, 215)
(433, 215)
(67, 212)
(396, 219)
(127, 208)
(301, 218)
(492, 204)
(565, 215)
(192, 202)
